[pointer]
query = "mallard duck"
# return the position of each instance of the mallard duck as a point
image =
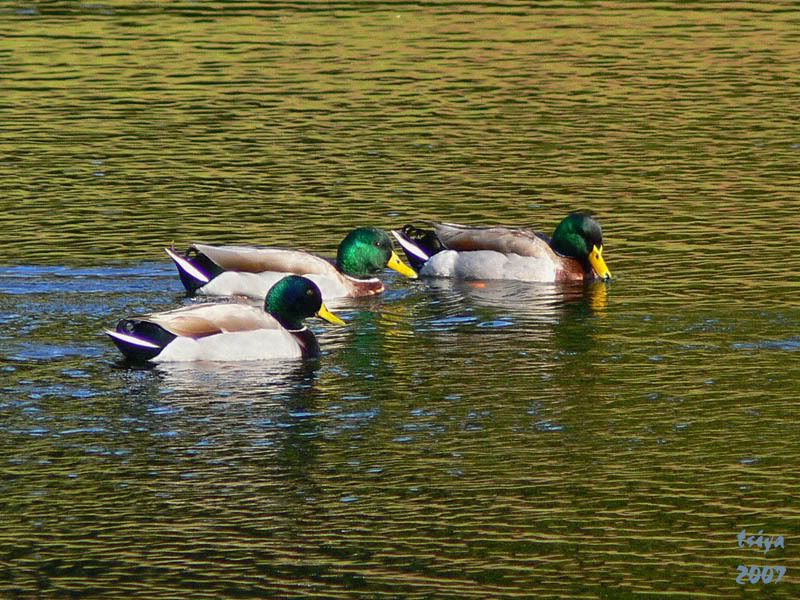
(227, 332)
(251, 271)
(574, 253)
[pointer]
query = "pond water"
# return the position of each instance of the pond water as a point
(454, 440)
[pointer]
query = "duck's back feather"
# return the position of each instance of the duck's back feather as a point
(253, 259)
(203, 320)
(505, 240)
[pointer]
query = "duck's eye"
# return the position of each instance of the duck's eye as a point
(309, 292)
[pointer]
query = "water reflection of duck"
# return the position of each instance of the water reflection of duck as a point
(225, 332)
(266, 409)
(251, 271)
(574, 253)
(279, 382)
(541, 301)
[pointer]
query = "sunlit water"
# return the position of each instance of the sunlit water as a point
(461, 440)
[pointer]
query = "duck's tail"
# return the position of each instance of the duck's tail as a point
(418, 244)
(194, 268)
(140, 341)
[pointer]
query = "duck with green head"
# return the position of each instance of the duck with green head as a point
(229, 332)
(252, 270)
(574, 253)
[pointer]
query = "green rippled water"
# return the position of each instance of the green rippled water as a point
(454, 440)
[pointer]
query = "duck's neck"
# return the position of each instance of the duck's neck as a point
(567, 244)
(307, 341)
(353, 268)
(288, 322)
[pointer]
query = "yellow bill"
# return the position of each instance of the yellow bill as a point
(324, 313)
(598, 264)
(398, 265)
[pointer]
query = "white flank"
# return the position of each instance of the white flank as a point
(187, 266)
(256, 285)
(488, 264)
(259, 344)
(129, 339)
(409, 246)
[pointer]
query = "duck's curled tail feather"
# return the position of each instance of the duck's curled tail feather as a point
(418, 244)
(138, 340)
(194, 268)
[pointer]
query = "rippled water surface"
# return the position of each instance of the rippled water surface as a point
(454, 440)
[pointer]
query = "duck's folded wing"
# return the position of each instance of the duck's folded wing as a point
(507, 240)
(252, 259)
(203, 320)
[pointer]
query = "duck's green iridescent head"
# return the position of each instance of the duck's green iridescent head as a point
(366, 251)
(295, 298)
(580, 236)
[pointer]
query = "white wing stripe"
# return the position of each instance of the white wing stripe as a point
(187, 266)
(129, 339)
(410, 246)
